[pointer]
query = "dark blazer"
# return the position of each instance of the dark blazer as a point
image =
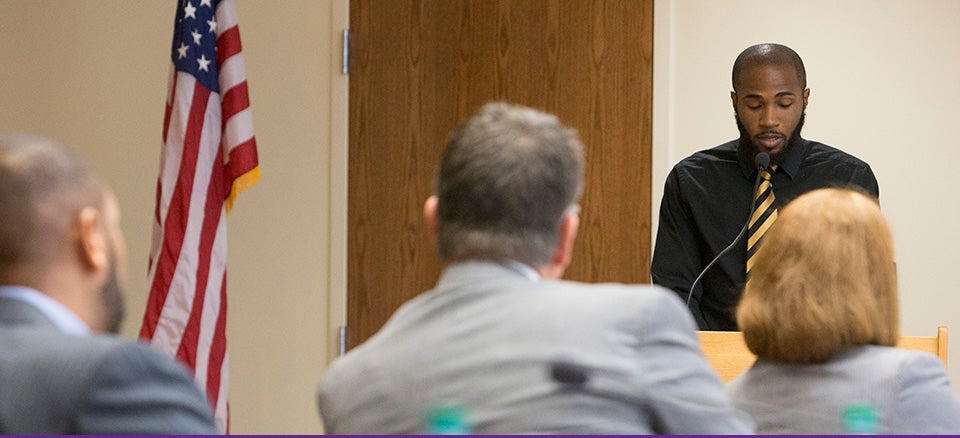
(54, 383)
(486, 339)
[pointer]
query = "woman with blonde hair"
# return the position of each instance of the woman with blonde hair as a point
(820, 311)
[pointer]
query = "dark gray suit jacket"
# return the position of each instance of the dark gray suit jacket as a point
(53, 383)
(908, 389)
(486, 338)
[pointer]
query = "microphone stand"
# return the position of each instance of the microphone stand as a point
(762, 160)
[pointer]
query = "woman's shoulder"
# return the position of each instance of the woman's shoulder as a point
(875, 353)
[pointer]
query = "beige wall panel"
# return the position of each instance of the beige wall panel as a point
(93, 74)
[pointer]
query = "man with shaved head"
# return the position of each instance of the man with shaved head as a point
(62, 256)
(708, 196)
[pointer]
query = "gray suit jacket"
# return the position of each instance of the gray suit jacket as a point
(486, 338)
(908, 389)
(53, 383)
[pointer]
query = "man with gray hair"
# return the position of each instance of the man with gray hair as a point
(501, 345)
(61, 264)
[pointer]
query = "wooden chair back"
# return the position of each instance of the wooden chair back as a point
(729, 355)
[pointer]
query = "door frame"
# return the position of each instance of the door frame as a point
(337, 180)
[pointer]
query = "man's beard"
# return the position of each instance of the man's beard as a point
(111, 295)
(776, 158)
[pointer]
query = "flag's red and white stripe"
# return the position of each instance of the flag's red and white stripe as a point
(209, 155)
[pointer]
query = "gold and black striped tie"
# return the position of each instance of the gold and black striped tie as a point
(764, 214)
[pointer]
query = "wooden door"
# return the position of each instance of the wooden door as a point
(419, 67)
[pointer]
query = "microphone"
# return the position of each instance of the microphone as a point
(761, 161)
(569, 373)
(596, 381)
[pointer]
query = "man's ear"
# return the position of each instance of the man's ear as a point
(568, 234)
(564, 252)
(91, 240)
(806, 97)
(733, 100)
(430, 215)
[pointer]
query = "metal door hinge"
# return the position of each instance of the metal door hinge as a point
(346, 51)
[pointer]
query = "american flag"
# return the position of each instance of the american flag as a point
(209, 155)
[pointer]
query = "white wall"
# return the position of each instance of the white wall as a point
(884, 77)
(93, 74)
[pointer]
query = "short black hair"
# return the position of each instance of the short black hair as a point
(769, 54)
(42, 187)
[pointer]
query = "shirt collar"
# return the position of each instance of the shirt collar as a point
(521, 269)
(61, 317)
(790, 163)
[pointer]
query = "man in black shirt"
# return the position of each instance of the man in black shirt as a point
(708, 195)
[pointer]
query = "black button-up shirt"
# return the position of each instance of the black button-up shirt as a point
(706, 200)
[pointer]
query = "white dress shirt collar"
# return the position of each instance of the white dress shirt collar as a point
(521, 269)
(61, 317)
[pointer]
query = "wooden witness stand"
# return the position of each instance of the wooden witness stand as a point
(729, 355)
